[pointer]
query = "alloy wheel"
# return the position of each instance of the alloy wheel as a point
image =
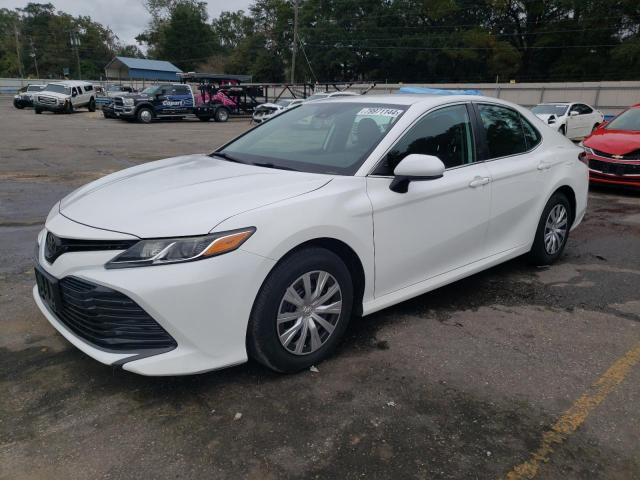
(309, 312)
(555, 229)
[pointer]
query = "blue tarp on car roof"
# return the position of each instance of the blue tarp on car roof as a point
(438, 91)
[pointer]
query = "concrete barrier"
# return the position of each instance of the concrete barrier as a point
(608, 97)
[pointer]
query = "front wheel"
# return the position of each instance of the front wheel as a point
(37, 110)
(18, 105)
(68, 107)
(301, 311)
(145, 115)
(92, 105)
(553, 231)
(563, 130)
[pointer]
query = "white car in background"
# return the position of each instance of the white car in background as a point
(573, 120)
(65, 96)
(268, 110)
(266, 247)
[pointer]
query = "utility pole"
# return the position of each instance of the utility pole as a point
(35, 57)
(294, 47)
(15, 29)
(75, 42)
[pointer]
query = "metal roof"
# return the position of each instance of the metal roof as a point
(145, 64)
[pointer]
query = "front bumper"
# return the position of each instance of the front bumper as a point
(48, 107)
(204, 305)
(609, 171)
(124, 111)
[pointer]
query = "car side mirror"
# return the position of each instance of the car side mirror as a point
(551, 120)
(573, 113)
(416, 167)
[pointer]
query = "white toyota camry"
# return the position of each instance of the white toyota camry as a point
(268, 246)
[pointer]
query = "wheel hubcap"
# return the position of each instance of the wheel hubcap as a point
(309, 312)
(555, 229)
(145, 115)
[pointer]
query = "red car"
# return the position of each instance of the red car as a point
(613, 150)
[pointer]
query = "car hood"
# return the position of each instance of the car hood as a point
(47, 93)
(615, 142)
(182, 196)
(546, 116)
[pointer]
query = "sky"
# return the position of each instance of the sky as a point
(127, 18)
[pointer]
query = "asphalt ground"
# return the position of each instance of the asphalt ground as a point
(517, 372)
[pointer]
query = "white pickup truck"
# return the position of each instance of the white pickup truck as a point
(65, 96)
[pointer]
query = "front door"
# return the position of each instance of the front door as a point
(437, 225)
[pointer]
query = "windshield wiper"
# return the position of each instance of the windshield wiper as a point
(271, 165)
(228, 157)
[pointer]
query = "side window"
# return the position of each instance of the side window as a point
(445, 133)
(88, 88)
(584, 109)
(182, 90)
(505, 135)
(531, 135)
(74, 92)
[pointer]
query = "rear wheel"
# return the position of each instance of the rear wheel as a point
(553, 231)
(301, 311)
(37, 110)
(92, 105)
(221, 115)
(145, 115)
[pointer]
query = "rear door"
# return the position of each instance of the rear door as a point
(518, 171)
(181, 99)
(437, 225)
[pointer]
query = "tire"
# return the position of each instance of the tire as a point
(221, 115)
(68, 107)
(595, 126)
(264, 333)
(92, 105)
(144, 115)
(37, 110)
(563, 130)
(19, 106)
(541, 253)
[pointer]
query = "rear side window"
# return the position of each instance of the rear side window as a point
(88, 88)
(531, 135)
(504, 131)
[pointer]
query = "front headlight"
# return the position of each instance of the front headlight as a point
(128, 101)
(164, 251)
(16, 97)
(585, 148)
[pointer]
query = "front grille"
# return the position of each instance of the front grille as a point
(55, 246)
(109, 319)
(47, 100)
(614, 168)
(118, 101)
(635, 155)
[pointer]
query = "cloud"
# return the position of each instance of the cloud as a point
(126, 18)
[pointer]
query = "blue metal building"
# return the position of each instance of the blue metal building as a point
(127, 68)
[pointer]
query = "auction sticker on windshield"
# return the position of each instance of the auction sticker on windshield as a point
(383, 112)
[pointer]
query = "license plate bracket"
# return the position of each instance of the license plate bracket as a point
(48, 289)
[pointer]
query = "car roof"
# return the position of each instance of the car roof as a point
(556, 103)
(410, 99)
(69, 83)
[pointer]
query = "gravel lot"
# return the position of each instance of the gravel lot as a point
(516, 366)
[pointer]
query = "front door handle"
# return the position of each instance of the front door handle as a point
(544, 166)
(479, 181)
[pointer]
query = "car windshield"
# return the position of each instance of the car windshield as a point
(332, 137)
(34, 88)
(151, 90)
(550, 109)
(54, 87)
(628, 120)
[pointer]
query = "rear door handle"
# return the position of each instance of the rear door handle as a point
(544, 166)
(479, 181)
